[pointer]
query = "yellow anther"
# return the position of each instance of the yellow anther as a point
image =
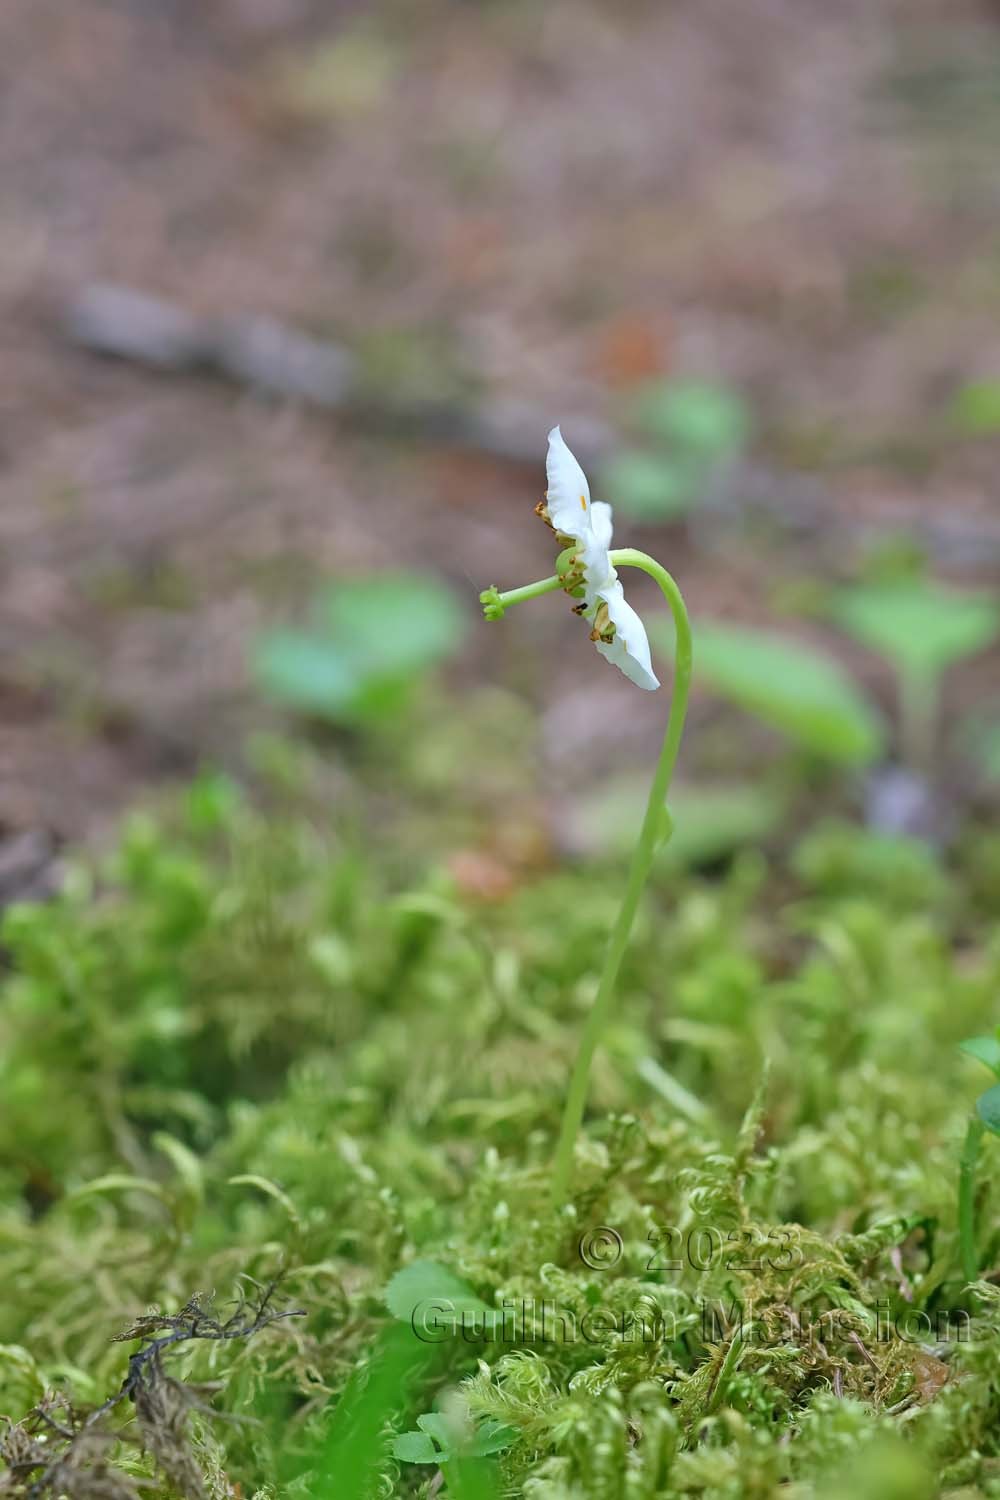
(604, 629)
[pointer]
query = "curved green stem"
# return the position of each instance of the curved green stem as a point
(642, 860)
(967, 1199)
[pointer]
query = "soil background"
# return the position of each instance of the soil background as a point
(511, 205)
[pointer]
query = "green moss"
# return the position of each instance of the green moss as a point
(239, 1047)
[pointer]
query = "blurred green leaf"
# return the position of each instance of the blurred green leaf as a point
(649, 487)
(985, 1049)
(976, 408)
(309, 673)
(794, 688)
(713, 821)
(883, 1469)
(694, 417)
(371, 638)
(709, 822)
(351, 1454)
(474, 1478)
(988, 1108)
(919, 626)
(392, 621)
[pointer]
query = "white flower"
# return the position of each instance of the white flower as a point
(618, 633)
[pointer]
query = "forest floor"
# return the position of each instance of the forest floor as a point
(541, 204)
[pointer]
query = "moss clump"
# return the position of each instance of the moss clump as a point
(240, 1049)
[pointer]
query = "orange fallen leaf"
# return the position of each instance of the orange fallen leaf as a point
(630, 350)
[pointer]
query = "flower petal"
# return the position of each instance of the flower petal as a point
(629, 651)
(600, 520)
(568, 494)
(597, 569)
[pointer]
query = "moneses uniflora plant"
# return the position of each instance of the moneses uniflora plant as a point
(586, 569)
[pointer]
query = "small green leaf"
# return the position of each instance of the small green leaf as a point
(794, 688)
(491, 1437)
(436, 1441)
(392, 622)
(416, 1448)
(711, 822)
(917, 625)
(985, 1049)
(649, 487)
(976, 408)
(369, 641)
(695, 417)
(988, 1108)
(437, 1426)
(308, 673)
(426, 1289)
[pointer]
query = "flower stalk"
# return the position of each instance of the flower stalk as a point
(655, 826)
(587, 570)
